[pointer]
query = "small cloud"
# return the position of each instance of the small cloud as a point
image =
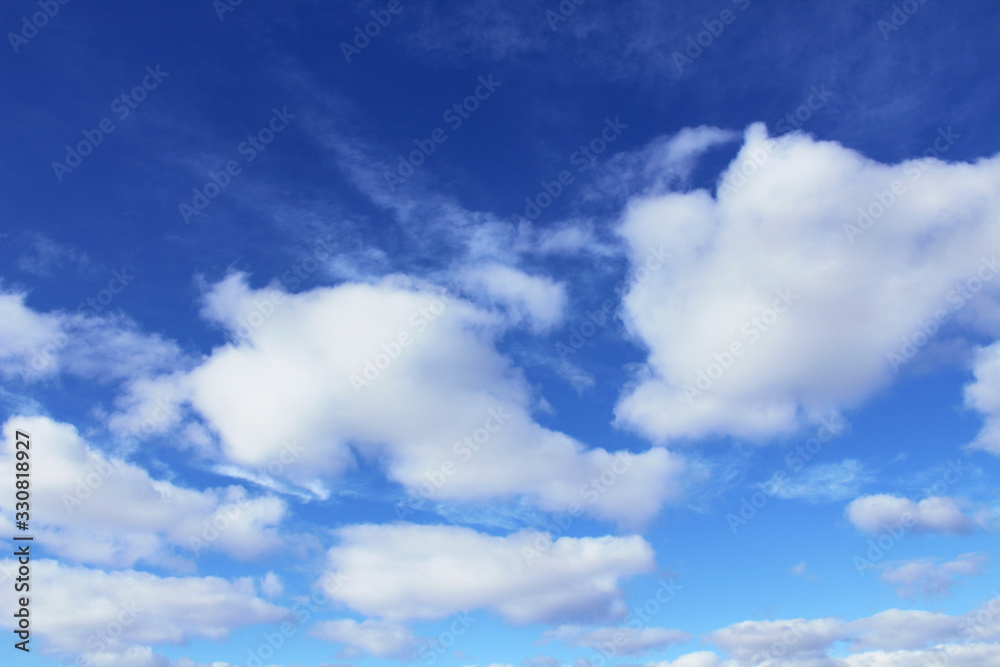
(929, 577)
(271, 586)
(801, 570)
(936, 514)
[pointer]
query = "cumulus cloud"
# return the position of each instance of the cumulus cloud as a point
(381, 639)
(953, 655)
(892, 638)
(754, 327)
(936, 514)
(96, 509)
(402, 571)
(796, 638)
(335, 370)
(113, 618)
(929, 577)
(896, 629)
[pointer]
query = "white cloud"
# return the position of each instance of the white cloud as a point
(983, 395)
(896, 629)
(334, 371)
(36, 346)
(271, 585)
(952, 655)
(381, 639)
(405, 571)
(892, 638)
(91, 508)
(768, 265)
(664, 163)
(696, 659)
(114, 617)
(47, 254)
(929, 577)
(538, 299)
(825, 483)
(618, 640)
(936, 514)
(786, 639)
(567, 238)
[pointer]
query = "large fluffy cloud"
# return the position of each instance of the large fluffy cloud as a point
(778, 304)
(892, 638)
(408, 377)
(406, 571)
(89, 507)
(113, 618)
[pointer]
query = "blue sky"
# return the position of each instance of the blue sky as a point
(487, 333)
